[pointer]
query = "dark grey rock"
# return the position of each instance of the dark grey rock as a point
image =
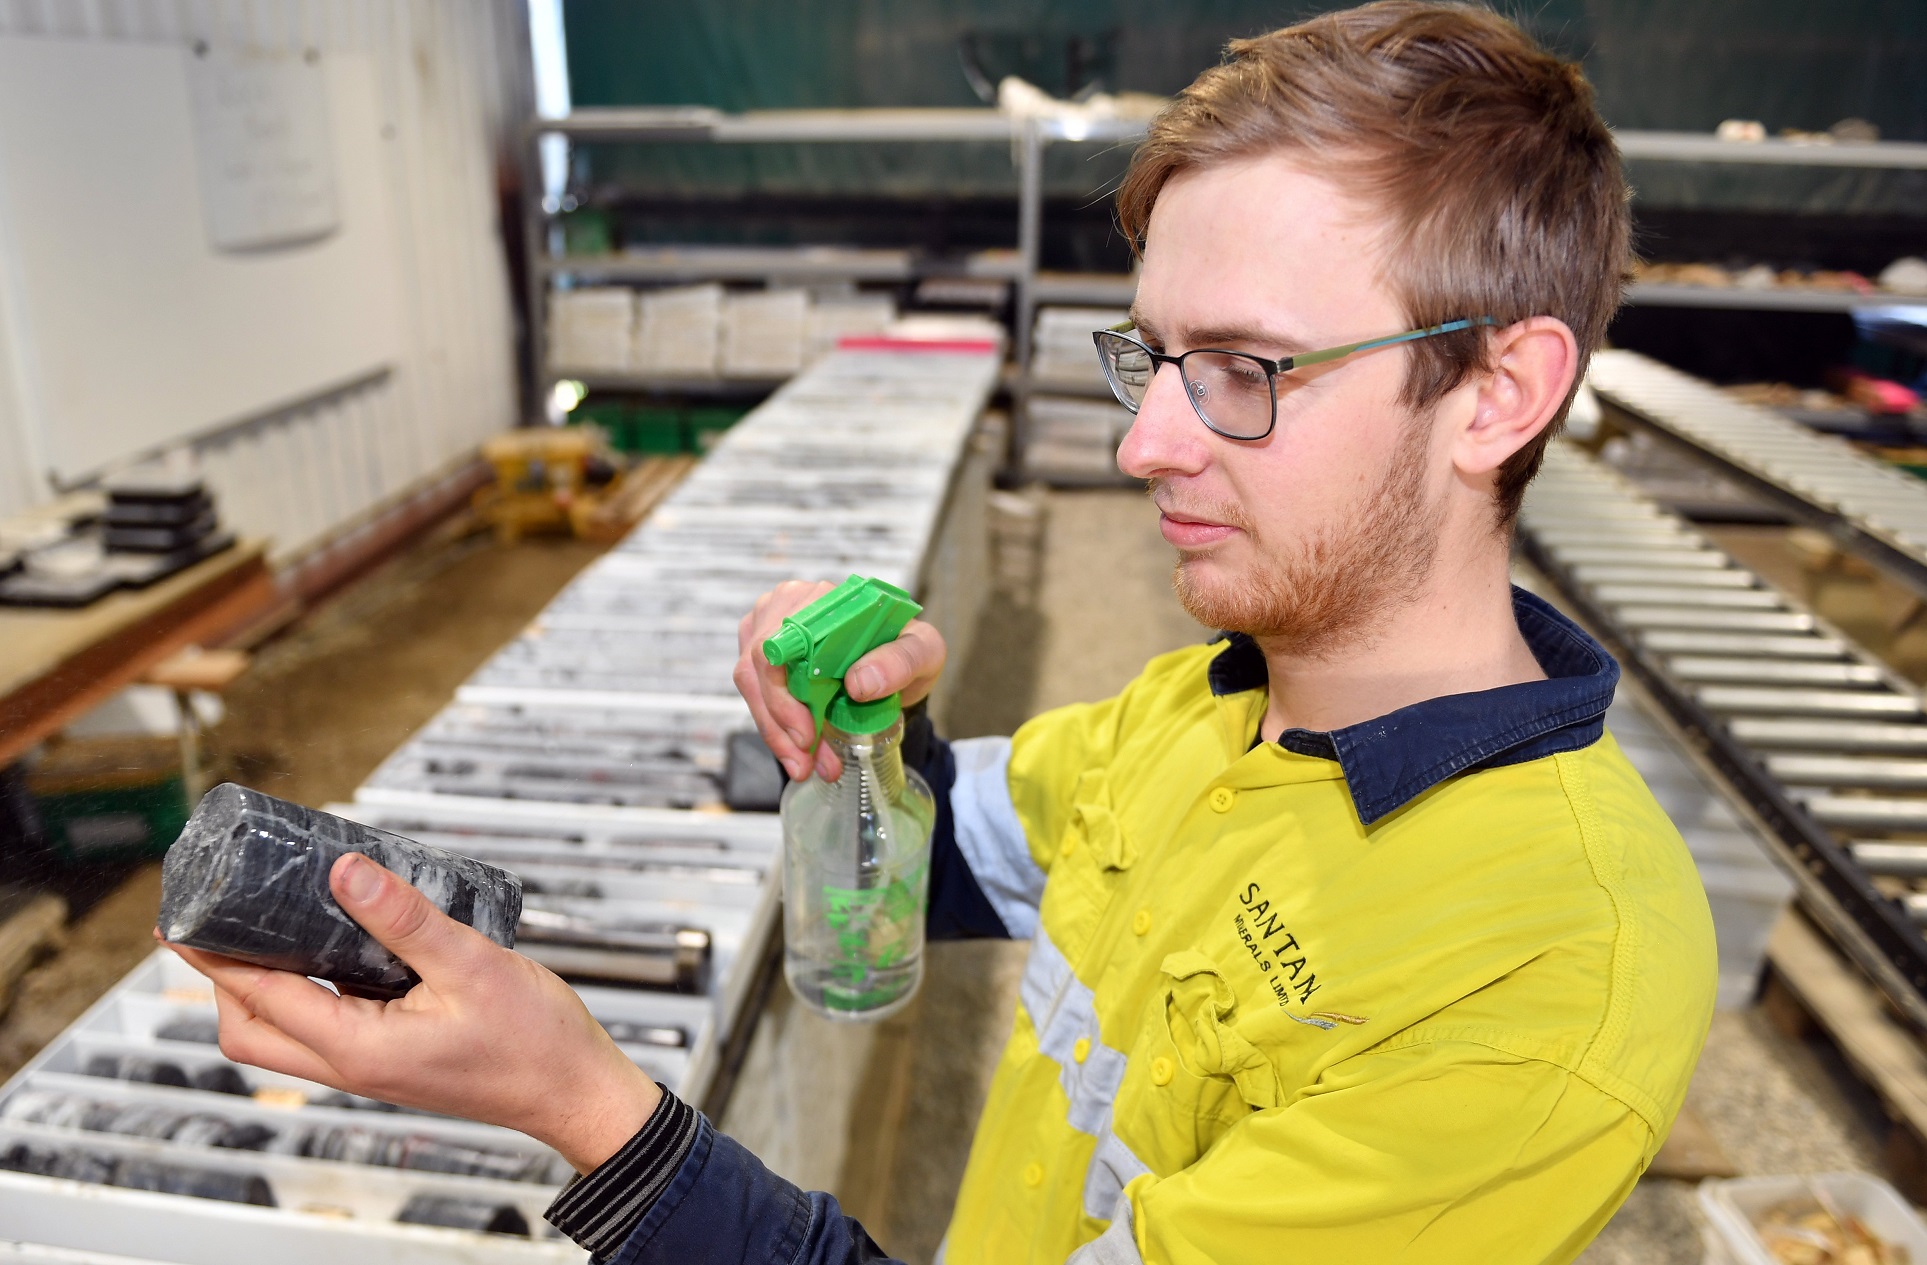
(199, 1029)
(221, 1078)
(464, 1214)
(752, 779)
(248, 878)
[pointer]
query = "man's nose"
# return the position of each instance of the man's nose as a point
(1166, 436)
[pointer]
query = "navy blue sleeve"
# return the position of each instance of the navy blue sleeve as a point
(958, 908)
(724, 1206)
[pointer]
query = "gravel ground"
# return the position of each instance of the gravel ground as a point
(1774, 1106)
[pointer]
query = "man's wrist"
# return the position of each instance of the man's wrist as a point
(602, 1208)
(596, 1120)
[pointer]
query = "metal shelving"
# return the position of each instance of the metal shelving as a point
(669, 384)
(737, 263)
(1738, 298)
(1700, 147)
(1029, 138)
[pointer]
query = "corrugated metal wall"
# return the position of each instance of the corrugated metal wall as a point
(452, 84)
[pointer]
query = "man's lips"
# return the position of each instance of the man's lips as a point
(1191, 533)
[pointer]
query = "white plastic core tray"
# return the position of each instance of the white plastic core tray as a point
(1734, 1206)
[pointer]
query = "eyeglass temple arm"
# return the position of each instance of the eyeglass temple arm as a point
(1335, 353)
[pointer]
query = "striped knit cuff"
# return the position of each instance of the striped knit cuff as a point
(600, 1210)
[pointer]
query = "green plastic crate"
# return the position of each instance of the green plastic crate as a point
(657, 430)
(110, 799)
(706, 426)
(587, 232)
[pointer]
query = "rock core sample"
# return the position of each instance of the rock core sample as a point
(248, 878)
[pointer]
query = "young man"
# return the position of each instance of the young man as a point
(1354, 935)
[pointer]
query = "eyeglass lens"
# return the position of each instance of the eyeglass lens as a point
(1232, 393)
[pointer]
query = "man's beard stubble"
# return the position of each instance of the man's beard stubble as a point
(1337, 586)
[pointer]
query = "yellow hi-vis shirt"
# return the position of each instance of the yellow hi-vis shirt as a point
(1253, 1029)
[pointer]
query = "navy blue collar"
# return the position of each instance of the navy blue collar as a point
(1391, 761)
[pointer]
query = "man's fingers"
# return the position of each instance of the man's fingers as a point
(787, 726)
(310, 1014)
(784, 707)
(909, 665)
(242, 979)
(405, 922)
(248, 1038)
(795, 759)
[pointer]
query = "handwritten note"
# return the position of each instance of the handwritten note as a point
(262, 143)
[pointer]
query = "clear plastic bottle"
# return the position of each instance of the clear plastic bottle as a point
(856, 874)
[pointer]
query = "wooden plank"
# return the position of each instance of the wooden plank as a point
(194, 668)
(85, 657)
(32, 929)
(40, 640)
(1881, 1049)
(1690, 1151)
(640, 491)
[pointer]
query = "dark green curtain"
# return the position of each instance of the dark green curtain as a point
(1677, 64)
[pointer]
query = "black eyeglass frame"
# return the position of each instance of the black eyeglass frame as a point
(1272, 368)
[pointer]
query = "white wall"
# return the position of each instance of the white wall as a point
(450, 76)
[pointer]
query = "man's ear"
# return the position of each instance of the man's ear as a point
(1533, 363)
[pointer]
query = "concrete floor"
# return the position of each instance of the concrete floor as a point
(883, 1120)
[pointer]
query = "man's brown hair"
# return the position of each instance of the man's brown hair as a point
(1501, 182)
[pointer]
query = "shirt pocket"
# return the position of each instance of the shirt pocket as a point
(1094, 854)
(1195, 1073)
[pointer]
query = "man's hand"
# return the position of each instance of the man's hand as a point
(909, 666)
(487, 1034)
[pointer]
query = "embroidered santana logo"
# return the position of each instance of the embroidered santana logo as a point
(1283, 960)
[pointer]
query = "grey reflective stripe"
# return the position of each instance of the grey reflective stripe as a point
(1113, 1167)
(990, 836)
(1116, 1246)
(1063, 1010)
(942, 1243)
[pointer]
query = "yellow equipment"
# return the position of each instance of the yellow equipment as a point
(546, 479)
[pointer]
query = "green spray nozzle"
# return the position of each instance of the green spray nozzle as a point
(821, 642)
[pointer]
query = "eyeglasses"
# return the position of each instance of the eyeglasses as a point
(1233, 392)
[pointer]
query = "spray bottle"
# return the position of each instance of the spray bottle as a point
(856, 851)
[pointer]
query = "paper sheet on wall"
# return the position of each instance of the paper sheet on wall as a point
(261, 146)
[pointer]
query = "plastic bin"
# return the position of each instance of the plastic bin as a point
(1734, 1206)
(110, 799)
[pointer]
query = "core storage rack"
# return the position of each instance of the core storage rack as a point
(589, 757)
(1826, 745)
(1860, 502)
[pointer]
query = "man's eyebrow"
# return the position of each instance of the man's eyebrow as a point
(1230, 336)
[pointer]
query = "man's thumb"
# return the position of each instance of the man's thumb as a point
(406, 923)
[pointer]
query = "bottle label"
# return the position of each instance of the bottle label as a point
(876, 929)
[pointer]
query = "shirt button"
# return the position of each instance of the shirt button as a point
(1070, 846)
(1033, 1174)
(1141, 922)
(1161, 1070)
(1082, 1050)
(1222, 798)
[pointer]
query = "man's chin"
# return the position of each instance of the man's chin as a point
(1210, 591)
